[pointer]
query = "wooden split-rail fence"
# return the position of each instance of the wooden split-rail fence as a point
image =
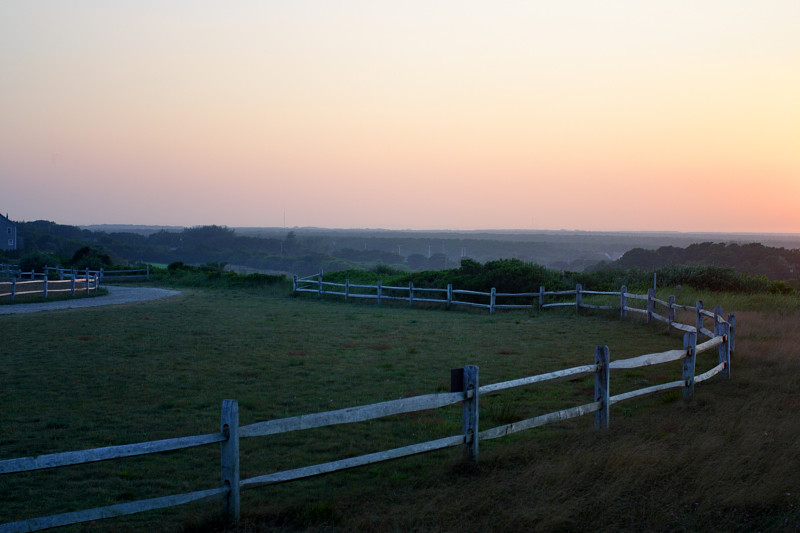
(465, 389)
(41, 284)
(61, 280)
(105, 275)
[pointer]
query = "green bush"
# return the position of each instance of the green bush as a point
(90, 258)
(176, 265)
(36, 261)
(516, 276)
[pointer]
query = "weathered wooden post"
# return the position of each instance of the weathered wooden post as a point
(380, 292)
(602, 379)
(148, 272)
(469, 413)
(623, 301)
(690, 345)
(72, 286)
(44, 286)
(229, 426)
(492, 299)
(671, 310)
(578, 298)
(319, 284)
(722, 329)
(87, 281)
(294, 284)
(699, 320)
(346, 289)
(541, 297)
(651, 305)
(449, 294)
(731, 333)
(411, 294)
(13, 287)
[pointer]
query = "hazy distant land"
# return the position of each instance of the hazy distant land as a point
(565, 249)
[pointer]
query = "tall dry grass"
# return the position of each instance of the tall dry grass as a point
(729, 460)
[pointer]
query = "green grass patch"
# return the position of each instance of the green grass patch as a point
(79, 379)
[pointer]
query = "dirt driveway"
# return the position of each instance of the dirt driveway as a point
(116, 295)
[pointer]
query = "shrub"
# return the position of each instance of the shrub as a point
(36, 261)
(90, 258)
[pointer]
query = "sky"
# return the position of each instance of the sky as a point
(577, 114)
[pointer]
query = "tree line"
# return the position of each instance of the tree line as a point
(708, 265)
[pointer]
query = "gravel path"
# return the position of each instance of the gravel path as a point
(116, 295)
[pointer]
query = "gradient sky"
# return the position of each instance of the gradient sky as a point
(615, 115)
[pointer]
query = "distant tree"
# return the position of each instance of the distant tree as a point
(36, 261)
(470, 266)
(91, 258)
(290, 242)
(417, 261)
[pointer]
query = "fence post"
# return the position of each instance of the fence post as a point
(651, 293)
(722, 329)
(72, 286)
(101, 275)
(578, 298)
(690, 345)
(346, 289)
(623, 301)
(319, 284)
(13, 287)
(731, 333)
(410, 293)
(148, 272)
(294, 284)
(87, 281)
(229, 426)
(492, 298)
(541, 297)
(44, 285)
(671, 310)
(699, 320)
(380, 291)
(601, 386)
(449, 294)
(469, 413)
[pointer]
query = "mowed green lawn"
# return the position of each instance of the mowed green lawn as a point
(79, 379)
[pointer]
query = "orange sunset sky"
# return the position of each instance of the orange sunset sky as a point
(618, 115)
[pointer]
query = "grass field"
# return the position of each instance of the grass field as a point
(77, 379)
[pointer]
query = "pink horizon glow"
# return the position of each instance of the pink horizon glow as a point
(453, 115)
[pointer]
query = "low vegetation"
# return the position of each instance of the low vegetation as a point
(76, 379)
(515, 276)
(310, 250)
(777, 263)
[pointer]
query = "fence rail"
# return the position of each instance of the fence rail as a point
(41, 284)
(68, 273)
(316, 285)
(465, 390)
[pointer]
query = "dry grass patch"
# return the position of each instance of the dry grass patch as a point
(725, 461)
